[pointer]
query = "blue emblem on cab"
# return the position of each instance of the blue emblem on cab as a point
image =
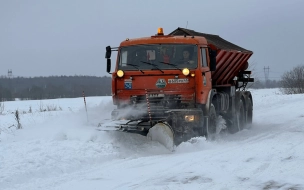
(128, 84)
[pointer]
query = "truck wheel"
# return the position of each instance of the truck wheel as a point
(240, 115)
(249, 114)
(211, 128)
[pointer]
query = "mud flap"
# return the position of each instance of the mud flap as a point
(162, 133)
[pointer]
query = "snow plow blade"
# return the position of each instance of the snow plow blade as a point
(163, 134)
(160, 132)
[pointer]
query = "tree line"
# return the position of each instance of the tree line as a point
(258, 84)
(37, 88)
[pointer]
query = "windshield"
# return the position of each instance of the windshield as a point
(158, 57)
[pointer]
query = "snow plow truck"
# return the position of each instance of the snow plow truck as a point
(174, 87)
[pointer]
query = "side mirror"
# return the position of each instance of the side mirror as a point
(212, 55)
(108, 65)
(108, 52)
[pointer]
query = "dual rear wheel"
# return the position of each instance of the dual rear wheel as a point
(240, 116)
(243, 115)
(237, 121)
(240, 119)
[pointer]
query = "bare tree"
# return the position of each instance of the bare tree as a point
(293, 81)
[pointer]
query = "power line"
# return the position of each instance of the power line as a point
(266, 73)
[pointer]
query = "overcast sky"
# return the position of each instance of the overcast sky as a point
(68, 37)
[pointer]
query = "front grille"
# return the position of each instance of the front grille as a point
(160, 103)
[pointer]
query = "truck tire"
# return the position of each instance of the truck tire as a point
(249, 114)
(240, 115)
(237, 121)
(211, 128)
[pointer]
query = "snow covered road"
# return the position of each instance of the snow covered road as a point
(61, 150)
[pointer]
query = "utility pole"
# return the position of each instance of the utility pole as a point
(10, 86)
(9, 73)
(266, 73)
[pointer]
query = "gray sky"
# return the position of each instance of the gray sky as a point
(68, 37)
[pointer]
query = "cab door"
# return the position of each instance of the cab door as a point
(204, 81)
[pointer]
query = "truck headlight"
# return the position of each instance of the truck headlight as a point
(186, 71)
(120, 73)
(189, 118)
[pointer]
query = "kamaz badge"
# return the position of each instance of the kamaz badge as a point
(161, 83)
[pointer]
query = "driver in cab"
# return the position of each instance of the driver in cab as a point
(186, 57)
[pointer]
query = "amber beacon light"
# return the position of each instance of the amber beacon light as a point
(160, 31)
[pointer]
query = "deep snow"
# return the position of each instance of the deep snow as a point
(63, 150)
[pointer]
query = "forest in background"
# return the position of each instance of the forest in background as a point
(37, 88)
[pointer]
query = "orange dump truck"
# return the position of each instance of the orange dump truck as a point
(179, 84)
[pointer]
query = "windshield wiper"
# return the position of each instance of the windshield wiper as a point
(171, 65)
(152, 65)
(136, 66)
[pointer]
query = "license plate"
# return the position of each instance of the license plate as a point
(156, 95)
(172, 81)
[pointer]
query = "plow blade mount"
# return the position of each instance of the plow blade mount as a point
(162, 133)
(112, 126)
